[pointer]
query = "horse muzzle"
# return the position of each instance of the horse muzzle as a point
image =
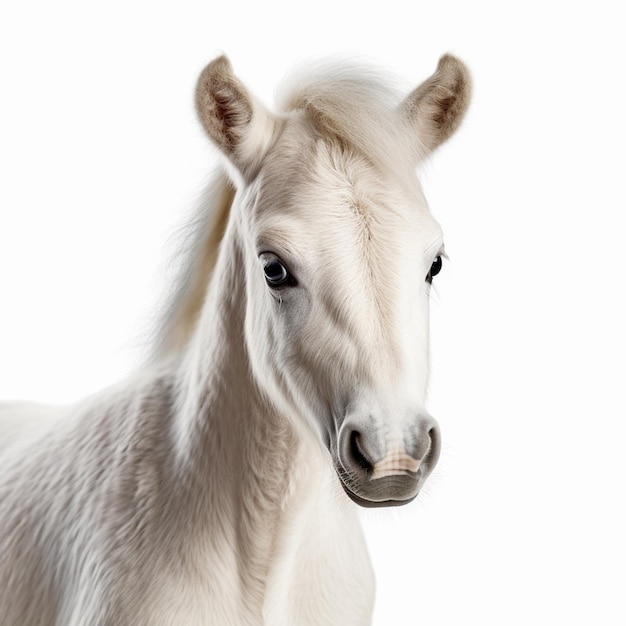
(393, 477)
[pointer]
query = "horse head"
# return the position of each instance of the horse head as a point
(339, 251)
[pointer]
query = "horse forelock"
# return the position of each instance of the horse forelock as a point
(353, 105)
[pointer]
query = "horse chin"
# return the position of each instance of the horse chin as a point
(377, 499)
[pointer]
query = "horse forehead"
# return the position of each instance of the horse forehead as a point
(322, 190)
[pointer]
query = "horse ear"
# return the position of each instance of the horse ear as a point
(240, 126)
(436, 108)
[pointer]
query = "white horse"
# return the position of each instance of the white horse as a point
(217, 485)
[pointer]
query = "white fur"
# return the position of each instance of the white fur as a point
(204, 490)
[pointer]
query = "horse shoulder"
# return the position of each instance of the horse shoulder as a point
(68, 487)
(25, 508)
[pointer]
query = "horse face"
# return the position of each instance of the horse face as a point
(338, 276)
(339, 251)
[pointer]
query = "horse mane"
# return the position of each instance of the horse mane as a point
(354, 104)
(197, 249)
(348, 103)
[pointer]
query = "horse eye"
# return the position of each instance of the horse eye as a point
(276, 274)
(435, 268)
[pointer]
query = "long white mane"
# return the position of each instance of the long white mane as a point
(197, 246)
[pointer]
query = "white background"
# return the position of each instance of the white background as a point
(101, 158)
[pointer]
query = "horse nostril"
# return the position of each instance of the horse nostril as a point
(432, 455)
(358, 454)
